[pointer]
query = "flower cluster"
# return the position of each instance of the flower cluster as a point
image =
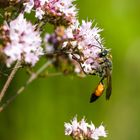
(83, 45)
(84, 131)
(77, 45)
(87, 47)
(22, 42)
(53, 47)
(56, 11)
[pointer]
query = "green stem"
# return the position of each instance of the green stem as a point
(30, 80)
(10, 77)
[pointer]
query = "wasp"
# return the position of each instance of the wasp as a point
(107, 75)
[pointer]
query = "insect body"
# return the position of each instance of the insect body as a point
(98, 92)
(101, 87)
(105, 73)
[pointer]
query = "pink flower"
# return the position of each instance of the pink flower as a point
(24, 43)
(64, 9)
(82, 130)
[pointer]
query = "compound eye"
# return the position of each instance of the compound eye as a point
(103, 53)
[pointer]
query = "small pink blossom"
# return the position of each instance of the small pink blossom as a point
(24, 42)
(53, 8)
(82, 130)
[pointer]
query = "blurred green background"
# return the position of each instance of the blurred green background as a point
(40, 111)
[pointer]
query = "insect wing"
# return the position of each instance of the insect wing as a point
(109, 86)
